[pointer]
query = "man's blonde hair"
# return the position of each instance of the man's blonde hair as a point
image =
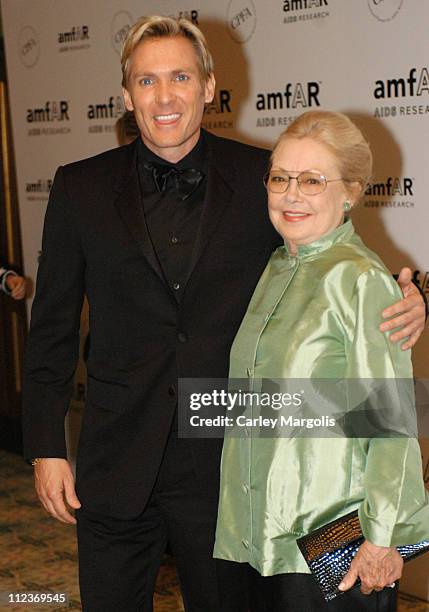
(158, 26)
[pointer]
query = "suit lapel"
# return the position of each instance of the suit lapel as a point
(130, 209)
(219, 193)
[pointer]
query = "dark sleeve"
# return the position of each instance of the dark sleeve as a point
(4, 273)
(53, 343)
(422, 293)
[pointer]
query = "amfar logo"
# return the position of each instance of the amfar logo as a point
(40, 186)
(219, 115)
(415, 84)
(385, 10)
(76, 34)
(121, 24)
(221, 103)
(52, 111)
(113, 109)
(241, 20)
(303, 95)
(28, 46)
(393, 186)
(301, 5)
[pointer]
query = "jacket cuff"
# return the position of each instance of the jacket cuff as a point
(3, 276)
(423, 294)
(378, 531)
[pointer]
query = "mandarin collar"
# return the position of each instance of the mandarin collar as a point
(340, 234)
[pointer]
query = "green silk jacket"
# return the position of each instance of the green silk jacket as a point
(316, 315)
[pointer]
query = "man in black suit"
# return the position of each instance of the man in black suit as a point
(167, 237)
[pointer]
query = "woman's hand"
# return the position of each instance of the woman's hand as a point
(376, 566)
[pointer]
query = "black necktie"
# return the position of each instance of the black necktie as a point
(184, 182)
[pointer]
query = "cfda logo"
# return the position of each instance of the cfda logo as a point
(119, 27)
(28, 46)
(385, 10)
(241, 20)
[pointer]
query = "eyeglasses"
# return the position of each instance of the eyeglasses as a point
(309, 183)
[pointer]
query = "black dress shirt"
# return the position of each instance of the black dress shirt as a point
(172, 222)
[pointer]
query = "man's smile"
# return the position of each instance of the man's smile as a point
(167, 119)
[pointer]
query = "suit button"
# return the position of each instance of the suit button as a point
(182, 337)
(171, 391)
(176, 286)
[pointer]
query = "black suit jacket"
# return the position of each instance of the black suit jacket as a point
(96, 243)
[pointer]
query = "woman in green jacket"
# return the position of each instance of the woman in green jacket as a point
(314, 315)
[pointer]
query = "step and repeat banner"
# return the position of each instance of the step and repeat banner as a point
(274, 59)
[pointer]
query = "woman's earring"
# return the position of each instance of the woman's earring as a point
(347, 206)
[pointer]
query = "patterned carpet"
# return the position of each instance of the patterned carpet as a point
(38, 554)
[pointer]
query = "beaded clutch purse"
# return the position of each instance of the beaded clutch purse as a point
(330, 550)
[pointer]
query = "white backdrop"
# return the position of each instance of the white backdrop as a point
(274, 59)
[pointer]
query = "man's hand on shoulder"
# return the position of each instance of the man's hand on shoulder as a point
(408, 314)
(54, 482)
